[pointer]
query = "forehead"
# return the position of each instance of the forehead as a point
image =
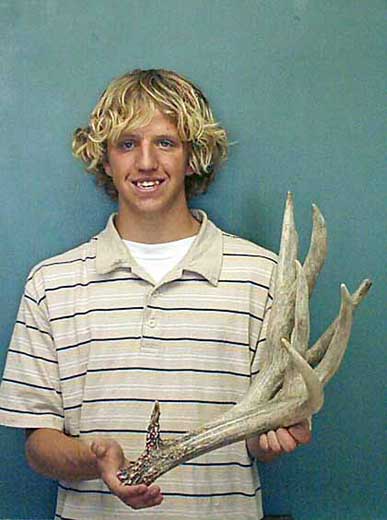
(145, 119)
(155, 122)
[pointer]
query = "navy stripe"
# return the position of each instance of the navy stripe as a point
(82, 313)
(205, 340)
(41, 299)
(187, 495)
(161, 401)
(68, 518)
(74, 376)
(183, 280)
(59, 287)
(249, 465)
(32, 356)
(33, 328)
(84, 491)
(252, 256)
(229, 311)
(179, 370)
(75, 407)
(148, 369)
(13, 410)
(28, 297)
(210, 495)
(80, 344)
(37, 302)
(255, 351)
(60, 263)
(30, 385)
(245, 281)
(142, 432)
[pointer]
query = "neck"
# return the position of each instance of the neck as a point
(153, 229)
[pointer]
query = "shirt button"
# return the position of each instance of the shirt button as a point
(152, 322)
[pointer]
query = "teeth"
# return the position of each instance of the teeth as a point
(147, 184)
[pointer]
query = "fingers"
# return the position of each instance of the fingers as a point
(285, 440)
(278, 442)
(110, 459)
(263, 443)
(139, 497)
(301, 432)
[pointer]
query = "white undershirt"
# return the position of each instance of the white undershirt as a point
(159, 259)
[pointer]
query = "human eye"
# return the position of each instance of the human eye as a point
(126, 144)
(166, 143)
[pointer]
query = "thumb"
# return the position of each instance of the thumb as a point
(99, 448)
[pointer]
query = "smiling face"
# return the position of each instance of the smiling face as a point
(148, 166)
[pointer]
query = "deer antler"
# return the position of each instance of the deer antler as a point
(289, 386)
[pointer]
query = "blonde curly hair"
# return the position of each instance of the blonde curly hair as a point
(129, 102)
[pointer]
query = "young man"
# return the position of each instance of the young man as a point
(160, 305)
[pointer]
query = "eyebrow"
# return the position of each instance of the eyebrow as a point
(132, 135)
(135, 134)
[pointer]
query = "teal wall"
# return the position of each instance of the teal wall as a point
(299, 85)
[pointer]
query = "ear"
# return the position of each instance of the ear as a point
(189, 171)
(108, 169)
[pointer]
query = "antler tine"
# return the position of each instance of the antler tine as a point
(317, 351)
(361, 292)
(286, 272)
(318, 249)
(300, 335)
(281, 319)
(335, 352)
(312, 383)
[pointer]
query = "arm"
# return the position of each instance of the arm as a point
(32, 361)
(60, 457)
(55, 455)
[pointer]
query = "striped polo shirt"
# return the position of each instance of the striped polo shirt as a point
(96, 342)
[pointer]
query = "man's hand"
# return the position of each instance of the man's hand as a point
(270, 445)
(110, 459)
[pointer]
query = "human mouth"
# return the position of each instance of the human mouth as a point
(147, 185)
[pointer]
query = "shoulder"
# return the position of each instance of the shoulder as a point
(239, 247)
(69, 264)
(246, 261)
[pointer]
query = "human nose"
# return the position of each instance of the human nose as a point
(146, 157)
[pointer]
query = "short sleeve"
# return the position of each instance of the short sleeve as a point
(30, 395)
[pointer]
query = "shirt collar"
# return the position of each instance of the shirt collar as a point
(204, 256)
